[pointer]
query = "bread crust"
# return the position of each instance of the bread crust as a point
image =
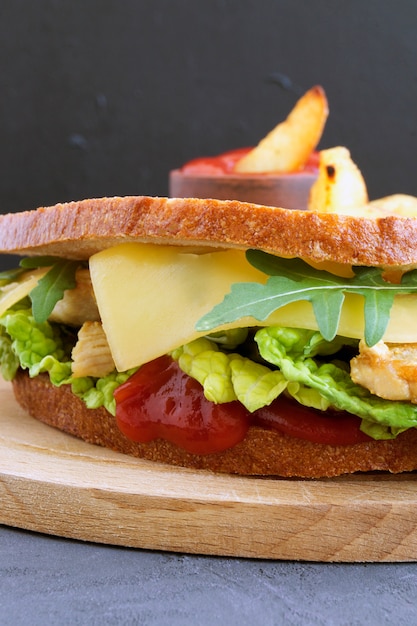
(79, 229)
(263, 452)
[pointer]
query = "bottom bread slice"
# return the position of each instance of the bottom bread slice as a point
(262, 452)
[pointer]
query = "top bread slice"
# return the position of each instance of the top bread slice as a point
(77, 230)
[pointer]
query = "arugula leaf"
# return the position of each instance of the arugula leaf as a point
(9, 276)
(292, 280)
(51, 287)
(32, 262)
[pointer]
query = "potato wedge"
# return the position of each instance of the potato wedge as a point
(340, 185)
(288, 146)
(397, 204)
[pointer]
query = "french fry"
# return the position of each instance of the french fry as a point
(340, 185)
(288, 146)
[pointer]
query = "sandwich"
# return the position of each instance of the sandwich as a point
(221, 335)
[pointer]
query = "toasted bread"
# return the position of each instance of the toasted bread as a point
(79, 229)
(262, 452)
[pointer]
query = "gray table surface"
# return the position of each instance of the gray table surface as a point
(49, 580)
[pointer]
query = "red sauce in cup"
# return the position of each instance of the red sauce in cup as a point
(213, 177)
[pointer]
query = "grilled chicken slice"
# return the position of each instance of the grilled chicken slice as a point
(387, 370)
(91, 354)
(77, 305)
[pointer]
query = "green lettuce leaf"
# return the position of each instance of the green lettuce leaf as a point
(299, 367)
(226, 377)
(44, 348)
(38, 346)
(9, 362)
(280, 346)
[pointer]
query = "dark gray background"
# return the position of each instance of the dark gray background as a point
(103, 97)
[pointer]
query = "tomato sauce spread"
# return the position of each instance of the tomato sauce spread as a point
(223, 164)
(160, 401)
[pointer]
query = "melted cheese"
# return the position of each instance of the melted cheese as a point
(151, 297)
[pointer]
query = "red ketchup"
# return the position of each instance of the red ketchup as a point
(337, 428)
(161, 402)
(225, 163)
(215, 165)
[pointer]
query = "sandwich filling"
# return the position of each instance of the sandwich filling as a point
(195, 347)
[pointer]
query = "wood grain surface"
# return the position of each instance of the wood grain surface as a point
(52, 483)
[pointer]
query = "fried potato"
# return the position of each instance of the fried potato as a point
(288, 146)
(340, 185)
(397, 204)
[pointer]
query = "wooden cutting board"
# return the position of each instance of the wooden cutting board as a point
(52, 483)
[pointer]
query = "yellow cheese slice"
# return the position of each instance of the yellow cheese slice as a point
(16, 291)
(151, 297)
